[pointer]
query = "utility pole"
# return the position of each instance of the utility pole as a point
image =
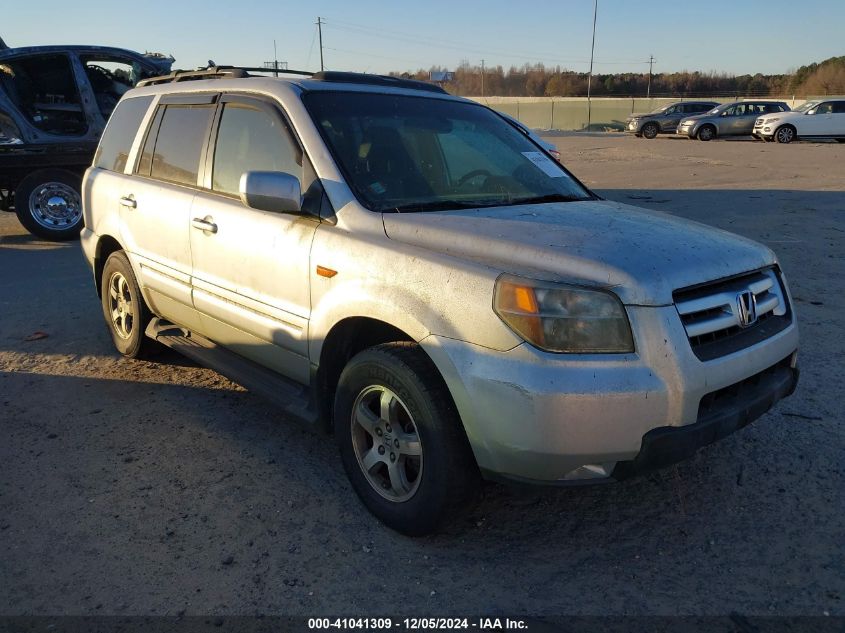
(275, 59)
(590, 76)
(482, 77)
(320, 31)
(650, 64)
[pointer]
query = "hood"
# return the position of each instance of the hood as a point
(641, 255)
(698, 117)
(640, 115)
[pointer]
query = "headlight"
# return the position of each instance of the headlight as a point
(767, 121)
(563, 318)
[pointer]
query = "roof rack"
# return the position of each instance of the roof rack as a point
(216, 72)
(241, 72)
(376, 80)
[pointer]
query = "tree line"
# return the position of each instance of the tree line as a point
(823, 78)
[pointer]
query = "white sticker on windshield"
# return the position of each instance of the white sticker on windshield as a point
(545, 164)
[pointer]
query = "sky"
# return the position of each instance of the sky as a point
(731, 36)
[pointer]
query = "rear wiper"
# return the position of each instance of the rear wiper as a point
(552, 197)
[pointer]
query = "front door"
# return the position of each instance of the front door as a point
(250, 267)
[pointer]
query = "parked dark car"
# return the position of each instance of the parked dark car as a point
(54, 104)
(665, 119)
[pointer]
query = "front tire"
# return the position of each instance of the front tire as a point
(401, 440)
(706, 133)
(650, 130)
(124, 310)
(785, 134)
(49, 205)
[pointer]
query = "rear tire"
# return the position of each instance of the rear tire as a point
(785, 134)
(706, 133)
(124, 309)
(49, 205)
(650, 130)
(401, 440)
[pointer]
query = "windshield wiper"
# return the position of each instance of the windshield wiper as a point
(552, 197)
(438, 205)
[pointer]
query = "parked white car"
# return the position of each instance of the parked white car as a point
(817, 119)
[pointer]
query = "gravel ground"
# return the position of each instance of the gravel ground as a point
(133, 487)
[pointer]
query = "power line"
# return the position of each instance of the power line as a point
(443, 43)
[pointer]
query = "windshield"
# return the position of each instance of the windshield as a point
(806, 106)
(403, 153)
(720, 108)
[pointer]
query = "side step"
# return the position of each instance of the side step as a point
(290, 396)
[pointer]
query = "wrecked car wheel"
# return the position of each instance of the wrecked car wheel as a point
(401, 441)
(49, 205)
(126, 314)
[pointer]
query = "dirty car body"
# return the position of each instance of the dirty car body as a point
(54, 104)
(559, 337)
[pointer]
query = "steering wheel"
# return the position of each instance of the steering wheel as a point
(475, 173)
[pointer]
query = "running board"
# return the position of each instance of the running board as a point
(287, 394)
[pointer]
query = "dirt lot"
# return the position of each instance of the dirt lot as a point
(161, 488)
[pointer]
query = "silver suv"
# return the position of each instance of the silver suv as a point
(729, 119)
(665, 119)
(407, 269)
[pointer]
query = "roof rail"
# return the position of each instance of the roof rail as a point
(376, 80)
(215, 72)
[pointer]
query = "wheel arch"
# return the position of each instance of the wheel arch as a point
(106, 245)
(345, 339)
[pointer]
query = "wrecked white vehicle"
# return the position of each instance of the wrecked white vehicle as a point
(54, 104)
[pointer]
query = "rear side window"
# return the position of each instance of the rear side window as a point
(120, 132)
(839, 107)
(251, 140)
(179, 143)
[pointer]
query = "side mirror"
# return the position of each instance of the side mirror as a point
(274, 191)
(813, 111)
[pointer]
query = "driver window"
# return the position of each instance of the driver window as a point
(671, 110)
(824, 108)
(730, 111)
(109, 79)
(251, 140)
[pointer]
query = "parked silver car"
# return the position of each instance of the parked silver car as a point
(409, 270)
(665, 119)
(729, 119)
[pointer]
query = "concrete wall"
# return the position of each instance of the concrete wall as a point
(570, 113)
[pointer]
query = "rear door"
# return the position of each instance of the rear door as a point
(156, 203)
(838, 119)
(250, 271)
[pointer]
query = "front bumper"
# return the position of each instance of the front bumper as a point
(764, 131)
(633, 127)
(732, 411)
(553, 419)
(687, 130)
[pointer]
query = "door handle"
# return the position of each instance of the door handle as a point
(128, 201)
(204, 224)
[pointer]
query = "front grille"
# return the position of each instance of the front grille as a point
(728, 315)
